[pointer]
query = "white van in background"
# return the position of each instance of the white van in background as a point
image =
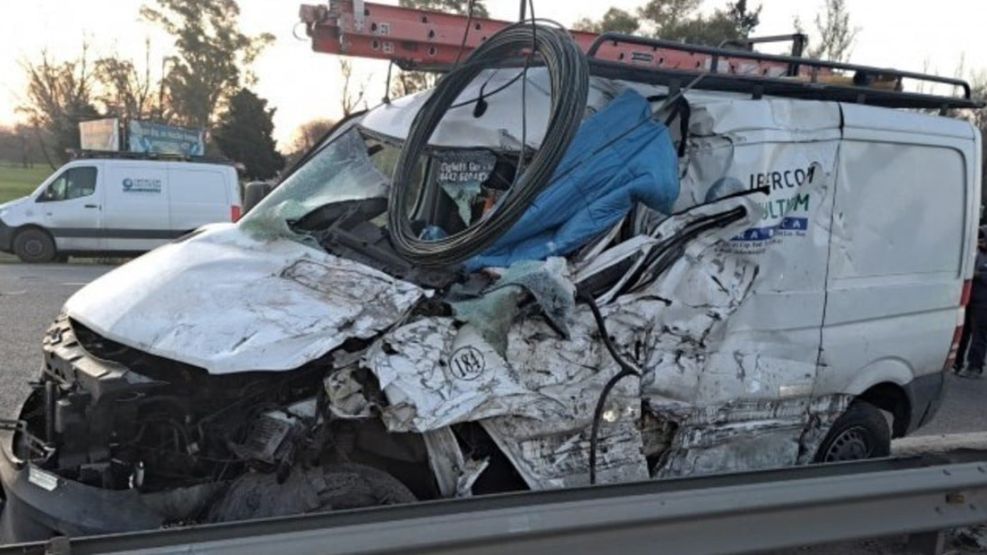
(117, 206)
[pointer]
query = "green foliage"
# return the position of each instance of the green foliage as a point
(680, 20)
(244, 134)
(662, 16)
(449, 6)
(212, 55)
(126, 91)
(614, 20)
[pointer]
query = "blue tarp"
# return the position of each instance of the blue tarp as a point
(596, 184)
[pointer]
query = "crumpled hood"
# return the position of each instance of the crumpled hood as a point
(228, 303)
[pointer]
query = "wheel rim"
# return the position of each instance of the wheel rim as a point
(850, 445)
(33, 247)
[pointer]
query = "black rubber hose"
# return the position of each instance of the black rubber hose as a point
(626, 369)
(568, 74)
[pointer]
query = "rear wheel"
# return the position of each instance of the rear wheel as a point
(861, 433)
(34, 245)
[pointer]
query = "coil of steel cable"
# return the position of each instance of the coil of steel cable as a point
(568, 73)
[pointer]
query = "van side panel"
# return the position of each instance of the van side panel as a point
(899, 253)
(135, 207)
(199, 195)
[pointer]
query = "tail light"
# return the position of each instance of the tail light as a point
(234, 213)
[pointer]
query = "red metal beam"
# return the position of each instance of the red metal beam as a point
(428, 39)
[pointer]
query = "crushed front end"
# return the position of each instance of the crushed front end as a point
(295, 362)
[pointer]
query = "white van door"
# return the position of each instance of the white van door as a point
(70, 208)
(135, 211)
(199, 195)
(771, 347)
(902, 227)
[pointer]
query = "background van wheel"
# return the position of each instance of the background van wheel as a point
(34, 245)
(860, 433)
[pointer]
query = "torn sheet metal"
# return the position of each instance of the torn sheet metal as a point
(555, 455)
(347, 395)
(446, 460)
(538, 407)
(454, 473)
(714, 334)
(227, 302)
(749, 435)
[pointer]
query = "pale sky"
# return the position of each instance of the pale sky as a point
(905, 34)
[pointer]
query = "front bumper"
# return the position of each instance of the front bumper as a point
(6, 237)
(38, 504)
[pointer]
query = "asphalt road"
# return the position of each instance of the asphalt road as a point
(30, 298)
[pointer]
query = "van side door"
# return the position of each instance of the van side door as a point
(905, 212)
(70, 207)
(135, 212)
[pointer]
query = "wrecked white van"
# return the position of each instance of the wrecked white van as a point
(781, 276)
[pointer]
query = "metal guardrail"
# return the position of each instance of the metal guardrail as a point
(719, 514)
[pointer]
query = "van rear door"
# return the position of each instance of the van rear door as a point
(135, 210)
(199, 195)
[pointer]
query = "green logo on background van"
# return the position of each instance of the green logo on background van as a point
(131, 185)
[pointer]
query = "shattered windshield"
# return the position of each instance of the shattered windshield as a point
(348, 167)
(338, 199)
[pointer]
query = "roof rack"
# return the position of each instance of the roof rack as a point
(432, 41)
(76, 154)
(805, 78)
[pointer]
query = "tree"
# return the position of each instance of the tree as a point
(614, 20)
(744, 19)
(352, 93)
(126, 91)
(409, 82)
(59, 96)
(735, 22)
(665, 15)
(20, 144)
(305, 138)
(212, 55)
(309, 133)
(680, 20)
(836, 34)
(460, 7)
(244, 134)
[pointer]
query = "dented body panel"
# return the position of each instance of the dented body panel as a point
(815, 254)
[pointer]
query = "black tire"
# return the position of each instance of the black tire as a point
(34, 245)
(333, 487)
(860, 433)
